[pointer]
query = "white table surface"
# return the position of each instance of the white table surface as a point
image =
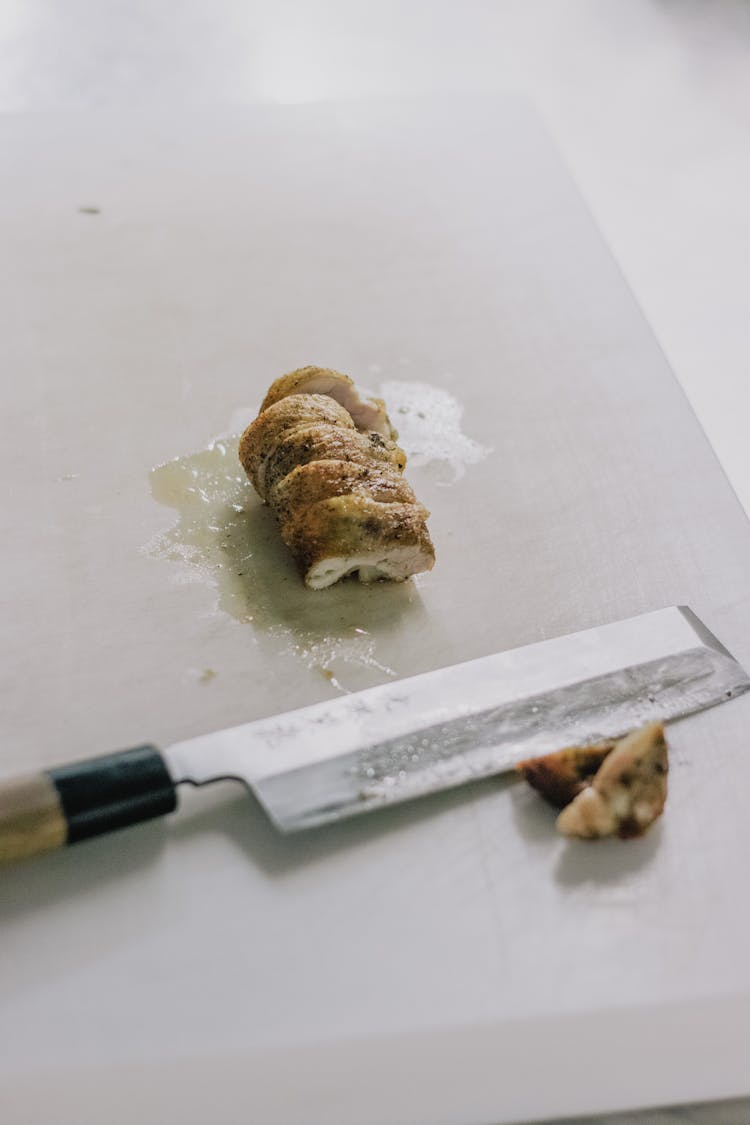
(649, 101)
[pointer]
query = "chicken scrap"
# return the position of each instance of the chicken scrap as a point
(325, 460)
(613, 788)
(562, 775)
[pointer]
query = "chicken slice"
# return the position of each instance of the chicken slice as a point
(560, 776)
(322, 442)
(321, 480)
(336, 537)
(323, 458)
(628, 792)
(367, 413)
(271, 426)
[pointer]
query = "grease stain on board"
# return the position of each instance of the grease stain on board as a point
(225, 536)
(428, 420)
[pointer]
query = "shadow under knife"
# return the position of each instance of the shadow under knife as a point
(243, 819)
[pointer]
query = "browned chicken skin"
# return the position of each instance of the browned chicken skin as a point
(314, 444)
(561, 775)
(322, 480)
(279, 422)
(334, 484)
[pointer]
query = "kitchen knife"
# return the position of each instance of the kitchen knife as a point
(399, 740)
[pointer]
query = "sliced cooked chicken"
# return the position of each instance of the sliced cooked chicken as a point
(561, 776)
(336, 537)
(628, 792)
(271, 426)
(335, 487)
(326, 443)
(322, 480)
(367, 413)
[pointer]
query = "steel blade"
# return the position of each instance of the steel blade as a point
(440, 729)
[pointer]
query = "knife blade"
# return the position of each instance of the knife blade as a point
(437, 730)
(397, 741)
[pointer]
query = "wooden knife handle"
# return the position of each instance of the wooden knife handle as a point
(61, 806)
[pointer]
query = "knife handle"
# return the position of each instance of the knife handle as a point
(43, 811)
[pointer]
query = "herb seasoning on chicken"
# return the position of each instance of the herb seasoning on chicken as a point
(325, 460)
(611, 788)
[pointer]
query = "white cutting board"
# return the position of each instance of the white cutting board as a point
(451, 962)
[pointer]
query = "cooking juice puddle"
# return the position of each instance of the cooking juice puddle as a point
(223, 535)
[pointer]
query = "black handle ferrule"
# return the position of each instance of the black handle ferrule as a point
(102, 794)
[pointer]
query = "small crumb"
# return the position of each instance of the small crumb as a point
(207, 675)
(69, 476)
(89, 210)
(328, 674)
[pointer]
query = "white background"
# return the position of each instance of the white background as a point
(648, 99)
